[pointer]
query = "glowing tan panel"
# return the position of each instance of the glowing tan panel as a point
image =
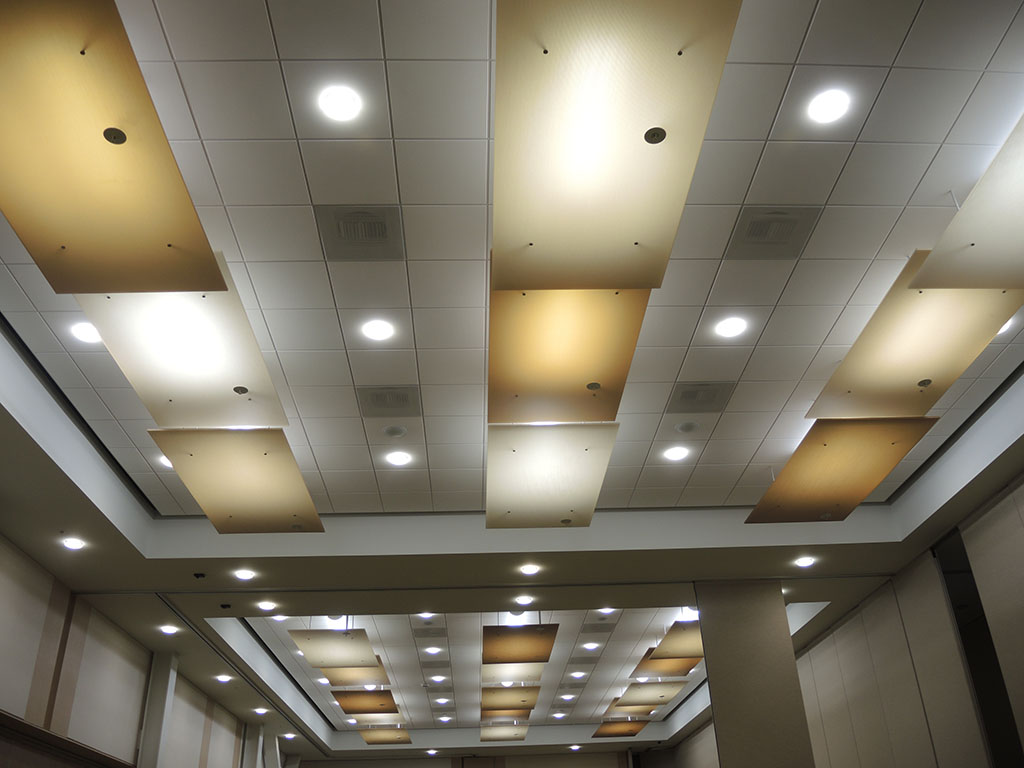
(981, 246)
(548, 347)
(682, 641)
(503, 732)
(505, 714)
(619, 728)
(245, 480)
(836, 466)
(348, 676)
(915, 336)
(186, 354)
(668, 667)
(517, 697)
(378, 718)
(518, 645)
(492, 674)
(649, 694)
(386, 736)
(334, 648)
(637, 709)
(581, 199)
(366, 702)
(96, 215)
(546, 476)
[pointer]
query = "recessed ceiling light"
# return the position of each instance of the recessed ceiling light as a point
(444, 718)
(288, 736)
(299, 653)
(524, 599)
(730, 327)
(425, 615)
(266, 605)
(529, 569)
(676, 453)
(804, 562)
(438, 678)
(261, 710)
(568, 696)
(223, 678)
(165, 461)
(1006, 326)
(279, 617)
(559, 715)
(339, 102)
(352, 721)
(398, 458)
(72, 542)
(431, 751)
(378, 330)
(574, 747)
(432, 650)
(244, 574)
(642, 679)
(370, 687)
(507, 683)
(591, 646)
(578, 675)
(828, 106)
(86, 332)
(686, 613)
(442, 701)
(323, 681)
(169, 629)
(606, 610)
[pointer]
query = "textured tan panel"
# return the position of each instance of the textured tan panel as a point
(637, 709)
(518, 645)
(546, 476)
(95, 216)
(548, 346)
(503, 732)
(245, 480)
(366, 702)
(184, 354)
(505, 714)
(492, 674)
(348, 676)
(682, 641)
(517, 697)
(981, 246)
(619, 728)
(913, 336)
(386, 736)
(667, 667)
(649, 694)
(836, 466)
(334, 648)
(378, 718)
(578, 84)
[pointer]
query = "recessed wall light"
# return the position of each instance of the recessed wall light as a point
(577, 675)
(431, 751)
(606, 610)
(524, 599)
(352, 721)
(86, 332)
(244, 574)
(642, 679)
(323, 681)
(261, 710)
(730, 327)
(370, 687)
(288, 736)
(444, 718)
(425, 615)
(279, 617)
(169, 629)
(438, 678)
(804, 562)
(676, 453)
(378, 330)
(223, 678)
(1006, 326)
(299, 653)
(398, 458)
(828, 106)
(574, 747)
(266, 605)
(529, 569)
(507, 683)
(591, 646)
(72, 542)
(163, 460)
(432, 650)
(568, 696)
(339, 102)
(559, 715)
(442, 701)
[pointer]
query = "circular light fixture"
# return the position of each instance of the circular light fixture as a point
(339, 102)
(323, 681)
(676, 453)
(169, 629)
(1006, 326)
(261, 710)
(223, 678)
(370, 687)
(804, 562)
(438, 678)
(568, 696)
(288, 736)
(86, 332)
(529, 569)
(244, 574)
(606, 610)
(378, 330)
(828, 106)
(165, 461)
(590, 646)
(642, 679)
(266, 605)
(425, 615)
(444, 718)
(432, 650)
(524, 599)
(730, 327)
(507, 683)
(574, 747)
(431, 751)
(351, 721)
(578, 675)
(559, 715)
(279, 617)
(442, 701)
(398, 458)
(72, 542)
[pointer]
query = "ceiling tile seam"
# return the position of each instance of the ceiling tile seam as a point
(1003, 37)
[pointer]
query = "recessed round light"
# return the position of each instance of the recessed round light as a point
(425, 615)
(676, 453)
(529, 569)
(577, 675)
(266, 605)
(828, 106)
(444, 718)
(169, 629)
(524, 599)
(642, 679)
(606, 610)
(398, 458)
(72, 542)
(431, 751)
(442, 701)
(1006, 326)
(507, 683)
(351, 721)
(261, 710)
(339, 102)
(288, 736)
(804, 562)
(559, 715)
(279, 617)
(730, 327)
(86, 332)
(223, 678)
(574, 747)
(244, 574)
(370, 687)
(438, 678)
(432, 650)
(591, 646)
(378, 330)
(568, 696)
(164, 461)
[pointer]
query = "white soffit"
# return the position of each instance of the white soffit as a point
(540, 476)
(186, 353)
(981, 247)
(581, 198)
(334, 648)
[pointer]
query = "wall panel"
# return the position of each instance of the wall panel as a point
(813, 708)
(862, 695)
(835, 711)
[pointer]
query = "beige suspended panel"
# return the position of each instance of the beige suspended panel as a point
(981, 247)
(89, 183)
(492, 674)
(333, 648)
(528, 644)
(245, 481)
(505, 714)
(516, 697)
(667, 667)
(649, 694)
(386, 736)
(192, 358)
(377, 718)
(561, 355)
(682, 641)
(581, 198)
(642, 710)
(503, 732)
(619, 728)
(349, 676)
(366, 702)
(916, 344)
(546, 476)
(836, 466)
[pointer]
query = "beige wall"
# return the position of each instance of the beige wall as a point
(199, 733)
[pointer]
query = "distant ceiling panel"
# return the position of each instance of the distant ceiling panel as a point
(546, 476)
(649, 694)
(503, 732)
(668, 667)
(516, 697)
(916, 344)
(619, 728)
(600, 115)
(245, 480)
(836, 466)
(981, 247)
(192, 358)
(682, 641)
(642, 710)
(505, 714)
(366, 702)
(334, 648)
(386, 736)
(89, 182)
(378, 718)
(561, 355)
(348, 676)
(492, 674)
(518, 645)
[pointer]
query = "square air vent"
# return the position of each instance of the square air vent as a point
(700, 396)
(388, 401)
(360, 233)
(430, 632)
(597, 627)
(771, 233)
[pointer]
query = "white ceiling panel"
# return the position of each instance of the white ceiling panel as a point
(698, 496)
(760, 396)
(169, 99)
(100, 369)
(737, 425)
(850, 232)
(714, 363)
(686, 283)
(66, 374)
(456, 480)
(947, 33)
(756, 317)
(916, 229)
(668, 478)
(440, 328)
(306, 79)
(770, 32)
(876, 283)
(304, 328)
(448, 283)
(716, 474)
(352, 321)
(330, 458)
(451, 366)
(860, 83)
(392, 367)
(452, 400)
(456, 456)
(439, 99)
(824, 281)
(403, 480)
(436, 29)
(218, 231)
(458, 429)
(750, 282)
(325, 402)
(1009, 56)
(442, 172)
(334, 431)
(656, 364)
(276, 233)
(123, 403)
(882, 174)
(729, 452)
(377, 431)
(684, 426)
(326, 29)
(849, 325)
(644, 397)
(458, 502)
(747, 100)
(629, 454)
(723, 172)
(956, 168)
(316, 368)
(800, 324)
(441, 232)
(668, 326)
(778, 363)
(704, 231)
(38, 290)
(868, 32)
(237, 99)
(918, 105)
(144, 30)
(225, 30)
(416, 501)
(825, 362)
(291, 284)
(365, 284)
(12, 297)
(355, 481)
(258, 172)
(797, 172)
(350, 172)
(992, 111)
(791, 425)
(195, 170)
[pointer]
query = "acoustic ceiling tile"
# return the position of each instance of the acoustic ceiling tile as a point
(868, 33)
(440, 328)
(443, 232)
(686, 283)
(824, 281)
(168, 97)
(956, 168)
(451, 366)
(237, 99)
(771, 34)
(356, 172)
(799, 325)
(276, 233)
(778, 363)
(258, 172)
(656, 363)
(851, 232)
(668, 326)
(306, 80)
(797, 173)
(882, 174)
(992, 111)
(918, 105)
(370, 285)
(742, 282)
(304, 328)
(439, 29)
(232, 30)
(949, 34)
(704, 231)
(747, 100)
(439, 99)
(723, 172)
(448, 283)
(714, 363)
(326, 29)
(442, 172)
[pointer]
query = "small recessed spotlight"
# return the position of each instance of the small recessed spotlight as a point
(559, 715)
(442, 701)
(432, 650)
(352, 721)
(507, 683)
(223, 678)
(591, 646)
(398, 458)
(578, 675)
(288, 736)
(568, 696)
(686, 613)
(828, 106)
(1006, 326)
(730, 327)
(86, 332)
(370, 687)
(279, 617)
(529, 569)
(164, 461)
(444, 718)
(676, 453)
(431, 751)
(606, 610)
(339, 102)
(72, 542)
(266, 605)
(642, 679)
(425, 615)
(378, 330)
(244, 574)
(524, 599)
(575, 747)
(299, 653)
(323, 681)
(169, 629)
(261, 710)
(438, 678)
(804, 562)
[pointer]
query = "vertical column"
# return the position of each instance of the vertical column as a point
(756, 702)
(271, 752)
(252, 746)
(163, 673)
